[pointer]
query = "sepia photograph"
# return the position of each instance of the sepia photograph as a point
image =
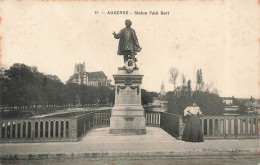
(130, 82)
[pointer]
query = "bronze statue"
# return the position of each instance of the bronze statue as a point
(128, 42)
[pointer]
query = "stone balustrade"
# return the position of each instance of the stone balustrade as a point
(45, 129)
(172, 124)
(229, 126)
(153, 119)
(102, 118)
(73, 128)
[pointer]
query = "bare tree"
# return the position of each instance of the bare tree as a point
(174, 72)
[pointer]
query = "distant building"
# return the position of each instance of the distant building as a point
(230, 107)
(80, 76)
(160, 101)
(253, 105)
(162, 92)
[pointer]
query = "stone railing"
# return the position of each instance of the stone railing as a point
(229, 126)
(45, 129)
(214, 127)
(73, 128)
(172, 124)
(102, 118)
(153, 119)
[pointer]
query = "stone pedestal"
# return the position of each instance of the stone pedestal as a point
(128, 114)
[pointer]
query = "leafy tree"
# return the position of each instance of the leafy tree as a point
(183, 80)
(147, 97)
(209, 103)
(242, 108)
(189, 88)
(199, 80)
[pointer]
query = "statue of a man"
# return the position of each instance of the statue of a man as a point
(128, 42)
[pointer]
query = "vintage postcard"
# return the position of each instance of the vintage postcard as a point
(129, 81)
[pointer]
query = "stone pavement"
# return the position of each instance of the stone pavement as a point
(155, 144)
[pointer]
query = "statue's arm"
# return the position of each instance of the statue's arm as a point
(117, 36)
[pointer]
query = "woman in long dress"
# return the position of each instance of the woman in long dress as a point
(192, 131)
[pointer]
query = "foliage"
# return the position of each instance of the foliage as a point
(242, 108)
(23, 87)
(209, 102)
(199, 80)
(147, 97)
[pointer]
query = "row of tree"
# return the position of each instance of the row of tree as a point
(23, 87)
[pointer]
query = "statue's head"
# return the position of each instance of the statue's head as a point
(128, 23)
(194, 104)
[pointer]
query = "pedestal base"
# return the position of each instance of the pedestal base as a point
(128, 131)
(127, 120)
(127, 116)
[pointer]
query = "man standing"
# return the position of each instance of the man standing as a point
(128, 42)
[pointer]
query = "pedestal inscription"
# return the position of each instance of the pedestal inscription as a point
(128, 95)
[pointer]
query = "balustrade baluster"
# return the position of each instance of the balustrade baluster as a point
(224, 129)
(32, 129)
(246, 132)
(11, 129)
(43, 129)
(236, 127)
(6, 130)
(213, 127)
(26, 129)
(1, 125)
(39, 129)
(229, 126)
(207, 127)
(64, 129)
(54, 128)
(160, 115)
(59, 128)
(241, 126)
(219, 127)
(251, 126)
(256, 126)
(21, 129)
(49, 129)
(16, 129)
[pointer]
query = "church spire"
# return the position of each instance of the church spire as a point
(162, 92)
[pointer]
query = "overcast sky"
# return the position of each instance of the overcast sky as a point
(220, 37)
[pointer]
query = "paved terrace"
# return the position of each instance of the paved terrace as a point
(155, 144)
